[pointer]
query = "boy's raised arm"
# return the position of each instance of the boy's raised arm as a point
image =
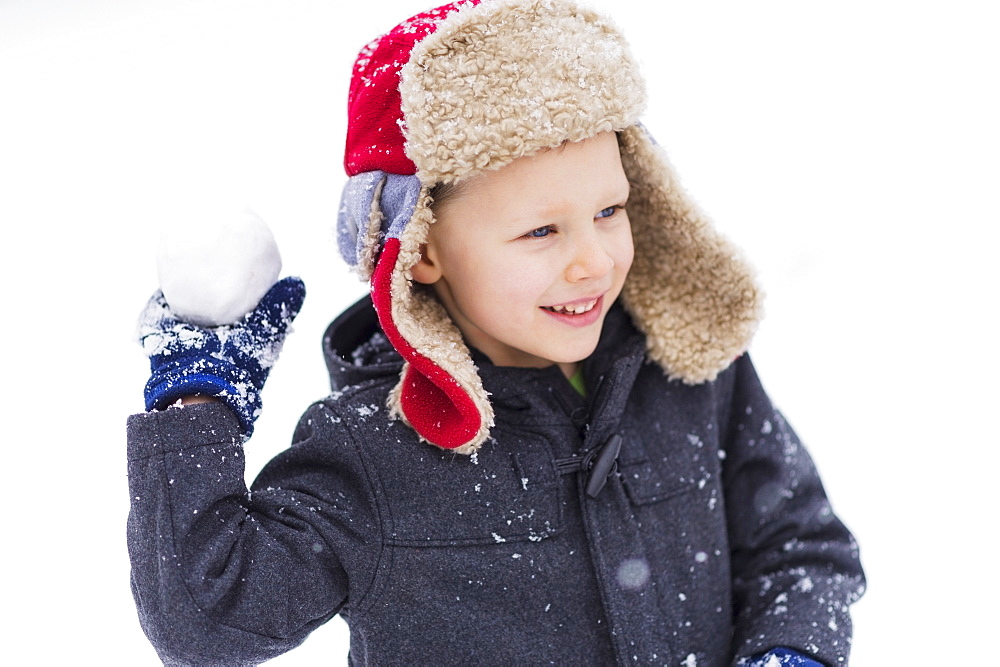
(222, 575)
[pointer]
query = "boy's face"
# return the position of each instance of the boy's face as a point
(529, 258)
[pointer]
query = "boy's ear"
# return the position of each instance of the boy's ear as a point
(426, 270)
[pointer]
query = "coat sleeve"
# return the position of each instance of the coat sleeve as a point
(796, 568)
(225, 575)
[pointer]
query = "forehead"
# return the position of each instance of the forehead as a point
(548, 184)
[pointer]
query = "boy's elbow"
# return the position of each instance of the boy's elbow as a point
(183, 634)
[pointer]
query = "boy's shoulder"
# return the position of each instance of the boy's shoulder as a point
(358, 405)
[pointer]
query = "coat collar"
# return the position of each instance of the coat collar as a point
(356, 351)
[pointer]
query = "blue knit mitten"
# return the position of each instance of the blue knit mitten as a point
(230, 362)
(780, 657)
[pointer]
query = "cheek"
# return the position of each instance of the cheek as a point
(623, 250)
(505, 281)
(628, 253)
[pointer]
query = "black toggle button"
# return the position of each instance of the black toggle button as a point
(603, 464)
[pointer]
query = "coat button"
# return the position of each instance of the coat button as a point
(603, 465)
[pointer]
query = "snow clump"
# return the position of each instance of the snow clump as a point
(215, 266)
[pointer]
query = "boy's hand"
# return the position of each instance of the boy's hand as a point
(230, 362)
(780, 657)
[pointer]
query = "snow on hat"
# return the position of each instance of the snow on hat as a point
(470, 87)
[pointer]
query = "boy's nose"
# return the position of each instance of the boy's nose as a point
(590, 260)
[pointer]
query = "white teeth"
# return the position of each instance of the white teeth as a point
(574, 309)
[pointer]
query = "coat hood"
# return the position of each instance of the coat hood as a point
(356, 349)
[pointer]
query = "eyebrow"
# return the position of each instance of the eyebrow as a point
(561, 208)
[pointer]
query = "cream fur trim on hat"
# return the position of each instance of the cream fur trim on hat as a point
(508, 78)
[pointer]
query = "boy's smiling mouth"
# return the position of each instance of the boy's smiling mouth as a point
(577, 313)
(573, 308)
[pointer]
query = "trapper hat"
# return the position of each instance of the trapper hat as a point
(470, 87)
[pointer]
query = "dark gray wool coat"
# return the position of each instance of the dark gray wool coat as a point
(712, 539)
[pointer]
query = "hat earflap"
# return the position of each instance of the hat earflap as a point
(448, 408)
(689, 289)
(374, 206)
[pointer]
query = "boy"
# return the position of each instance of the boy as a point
(545, 443)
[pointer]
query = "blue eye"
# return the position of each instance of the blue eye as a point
(539, 233)
(607, 212)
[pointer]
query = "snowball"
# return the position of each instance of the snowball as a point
(214, 266)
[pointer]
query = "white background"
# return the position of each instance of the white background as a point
(851, 148)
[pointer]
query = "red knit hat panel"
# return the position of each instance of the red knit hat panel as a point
(374, 115)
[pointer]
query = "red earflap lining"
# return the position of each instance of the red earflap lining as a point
(431, 399)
